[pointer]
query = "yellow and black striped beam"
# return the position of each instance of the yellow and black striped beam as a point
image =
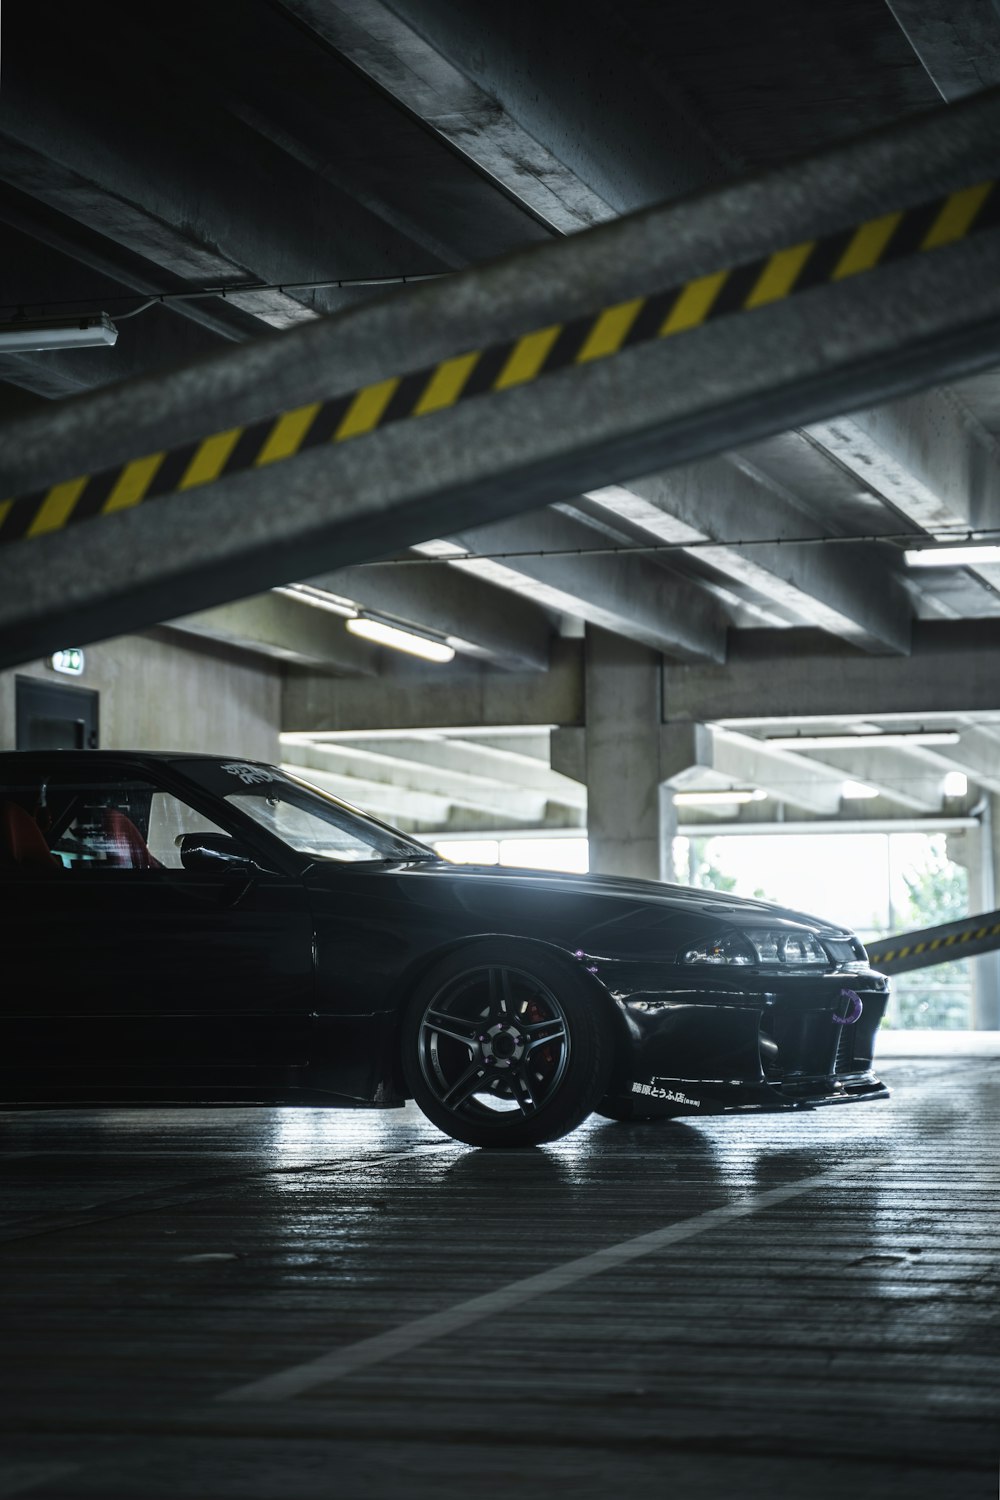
(515, 362)
(936, 945)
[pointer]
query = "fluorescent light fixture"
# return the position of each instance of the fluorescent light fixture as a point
(857, 791)
(24, 336)
(318, 598)
(956, 784)
(717, 798)
(369, 627)
(400, 640)
(438, 547)
(947, 555)
(902, 738)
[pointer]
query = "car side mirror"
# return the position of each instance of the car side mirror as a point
(214, 853)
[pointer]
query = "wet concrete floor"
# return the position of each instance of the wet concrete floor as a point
(297, 1303)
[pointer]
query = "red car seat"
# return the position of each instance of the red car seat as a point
(22, 843)
(127, 849)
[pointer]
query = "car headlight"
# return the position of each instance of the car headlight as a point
(732, 948)
(761, 945)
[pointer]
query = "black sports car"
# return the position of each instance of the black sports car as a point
(185, 928)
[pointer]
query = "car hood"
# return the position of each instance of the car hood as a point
(674, 898)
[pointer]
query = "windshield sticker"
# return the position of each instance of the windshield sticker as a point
(249, 775)
(673, 1095)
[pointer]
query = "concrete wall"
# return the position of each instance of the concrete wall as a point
(157, 694)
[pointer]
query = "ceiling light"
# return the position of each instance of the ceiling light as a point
(440, 548)
(719, 798)
(857, 790)
(956, 784)
(948, 555)
(400, 640)
(318, 598)
(24, 336)
(849, 741)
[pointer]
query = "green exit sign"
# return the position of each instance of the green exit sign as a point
(69, 661)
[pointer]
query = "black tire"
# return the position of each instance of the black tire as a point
(504, 1044)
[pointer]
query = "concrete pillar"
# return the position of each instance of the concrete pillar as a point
(976, 849)
(630, 818)
(986, 968)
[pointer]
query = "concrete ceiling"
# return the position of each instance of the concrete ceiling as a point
(252, 141)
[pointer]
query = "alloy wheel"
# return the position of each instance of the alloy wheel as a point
(494, 1044)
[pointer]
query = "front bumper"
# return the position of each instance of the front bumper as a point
(720, 1044)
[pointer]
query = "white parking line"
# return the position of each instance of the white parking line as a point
(337, 1363)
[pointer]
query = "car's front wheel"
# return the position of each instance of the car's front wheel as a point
(506, 1045)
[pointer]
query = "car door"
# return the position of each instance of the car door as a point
(130, 972)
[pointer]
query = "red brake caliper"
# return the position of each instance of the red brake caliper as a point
(545, 1055)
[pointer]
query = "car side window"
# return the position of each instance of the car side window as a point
(113, 825)
(170, 820)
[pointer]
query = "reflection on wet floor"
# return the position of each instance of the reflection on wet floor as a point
(155, 1260)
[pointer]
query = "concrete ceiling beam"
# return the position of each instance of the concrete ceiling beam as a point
(395, 804)
(546, 74)
(977, 755)
(440, 698)
(401, 60)
(44, 256)
(900, 776)
(958, 42)
(849, 591)
(926, 455)
(631, 596)
(472, 759)
(522, 804)
(508, 57)
(520, 751)
(46, 247)
(688, 751)
(799, 675)
(274, 625)
(180, 246)
(479, 619)
(425, 813)
(811, 780)
(590, 423)
(294, 217)
(524, 742)
(344, 130)
(479, 104)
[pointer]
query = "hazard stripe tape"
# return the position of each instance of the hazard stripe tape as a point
(516, 362)
(953, 939)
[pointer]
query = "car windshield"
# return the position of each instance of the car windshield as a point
(303, 816)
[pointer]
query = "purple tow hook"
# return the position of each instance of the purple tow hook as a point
(855, 1006)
